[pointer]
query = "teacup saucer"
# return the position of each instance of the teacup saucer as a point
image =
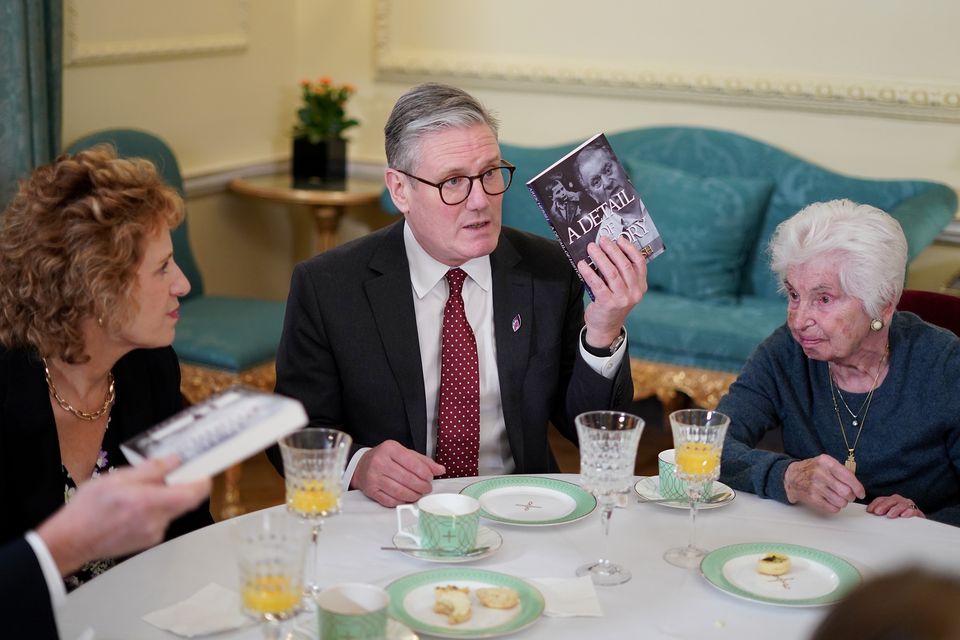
(486, 537)
(648, 488)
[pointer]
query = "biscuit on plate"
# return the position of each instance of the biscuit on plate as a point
(498, 597)
(453, 602)
(773, 564)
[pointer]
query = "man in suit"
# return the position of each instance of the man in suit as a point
(115, 515)
(364, 344)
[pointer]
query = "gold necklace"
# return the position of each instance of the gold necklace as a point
(855, 416)
(851, 461)
(66, 406)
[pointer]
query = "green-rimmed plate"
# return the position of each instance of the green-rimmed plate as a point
(412, 599)
(531, 501)
(815, 578)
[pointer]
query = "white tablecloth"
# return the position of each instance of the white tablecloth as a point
(661, 601)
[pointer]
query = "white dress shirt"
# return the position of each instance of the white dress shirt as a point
(58, 593)
(430, 292)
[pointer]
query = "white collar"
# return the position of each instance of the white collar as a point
(426, 271)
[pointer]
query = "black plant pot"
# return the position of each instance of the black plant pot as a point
(320, 165)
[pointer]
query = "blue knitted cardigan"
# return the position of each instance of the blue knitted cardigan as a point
(910, 443)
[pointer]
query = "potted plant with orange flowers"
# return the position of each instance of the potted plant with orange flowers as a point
(319, 149)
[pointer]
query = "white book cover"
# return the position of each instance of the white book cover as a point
(220, 431)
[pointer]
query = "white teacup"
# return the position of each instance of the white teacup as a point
(444, 521)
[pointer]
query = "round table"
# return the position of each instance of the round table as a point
(661, 601)
(328, 205)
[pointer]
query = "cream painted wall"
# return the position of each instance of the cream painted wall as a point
(860, 45)
(217, 111)
(234, 109)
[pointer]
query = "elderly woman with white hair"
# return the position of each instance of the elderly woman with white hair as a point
(868, 398)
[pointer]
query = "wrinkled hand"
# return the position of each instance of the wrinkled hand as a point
(119, 513)
(822, 483)
(895, 506)
(624, 281)
(391, 474)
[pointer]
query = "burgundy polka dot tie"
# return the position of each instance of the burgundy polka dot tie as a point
(458, 424)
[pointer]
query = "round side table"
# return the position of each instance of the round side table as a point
(328, 205)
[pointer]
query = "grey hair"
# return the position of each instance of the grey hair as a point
(424, 109)
(869, 243)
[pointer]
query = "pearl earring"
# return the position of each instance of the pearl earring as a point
(876, 324)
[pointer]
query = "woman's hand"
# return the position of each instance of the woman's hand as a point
(895, 506)
(822, 483)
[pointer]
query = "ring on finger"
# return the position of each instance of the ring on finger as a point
(911, 505)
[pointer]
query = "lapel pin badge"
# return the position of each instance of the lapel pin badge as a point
(516, 323)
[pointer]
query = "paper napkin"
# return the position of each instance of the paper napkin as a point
(210, 610)
(568, 597)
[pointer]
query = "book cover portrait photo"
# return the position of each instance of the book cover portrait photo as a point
(586, 195)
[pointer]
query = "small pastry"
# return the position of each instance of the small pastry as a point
(773, 564)
(498, 597)
(453, 602)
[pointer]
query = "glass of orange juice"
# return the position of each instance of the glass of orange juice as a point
(313, 462)
(698, 442)
(270, 550)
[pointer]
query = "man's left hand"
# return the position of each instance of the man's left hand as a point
(624, 281)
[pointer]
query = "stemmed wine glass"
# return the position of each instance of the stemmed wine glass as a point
(313, 464)
(270, 552)
(698, 442)
(608, 451)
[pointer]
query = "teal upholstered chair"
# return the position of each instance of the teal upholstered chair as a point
(220, 340)
(716, 197)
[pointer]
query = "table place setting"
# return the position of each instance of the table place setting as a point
(485, 603)
(809, 577)
(750, 574)
(409, 601)
(531, 501)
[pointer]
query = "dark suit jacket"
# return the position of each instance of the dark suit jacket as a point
(31, 483)
(25, 610)
(350, 351)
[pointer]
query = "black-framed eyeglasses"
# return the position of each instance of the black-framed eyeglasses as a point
(456, 189)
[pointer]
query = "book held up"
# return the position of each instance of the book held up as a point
(220, 431)
(587, 194)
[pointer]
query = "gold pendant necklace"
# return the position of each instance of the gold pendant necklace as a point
(851, 461)
(66, 406)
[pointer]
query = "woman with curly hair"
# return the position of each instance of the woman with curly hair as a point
(88, 308)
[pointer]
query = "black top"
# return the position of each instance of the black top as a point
(31, 471)
(24, 600)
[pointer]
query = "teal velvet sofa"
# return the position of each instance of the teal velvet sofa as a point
(716, 197)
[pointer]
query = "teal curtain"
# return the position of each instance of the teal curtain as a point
(31, 64)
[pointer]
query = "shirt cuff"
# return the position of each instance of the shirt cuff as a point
(58, 593)
(352, 467)
(606, 366)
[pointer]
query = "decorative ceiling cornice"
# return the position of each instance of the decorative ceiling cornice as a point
(231, 35)
(911, 101)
